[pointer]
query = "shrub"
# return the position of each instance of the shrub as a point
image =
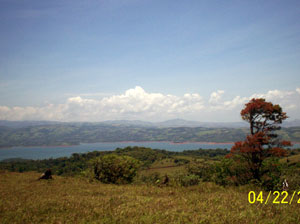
(271, 178)
(223, 172)
(153, 178)
(180, 161)
(236, 171)
(232, 172)
(115, 169)
(201, 169)
(186, 180)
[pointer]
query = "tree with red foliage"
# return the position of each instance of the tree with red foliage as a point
(263, 116)
(262, 143)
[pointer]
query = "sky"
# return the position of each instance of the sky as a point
(150, 60)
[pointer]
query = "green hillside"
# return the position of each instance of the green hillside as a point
(72, 134)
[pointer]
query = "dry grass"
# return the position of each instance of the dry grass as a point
(163, 163)
(163, 170)
(292, 159)
(74, 200)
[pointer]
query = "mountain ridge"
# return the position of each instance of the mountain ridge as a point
(139, 123)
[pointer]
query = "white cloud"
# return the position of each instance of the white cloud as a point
(136, 103)
(274, 94)
(235, 102)
(216, 96)
(288, 100)
(298, 90)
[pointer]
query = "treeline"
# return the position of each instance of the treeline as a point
(78, 162)
(122, 165)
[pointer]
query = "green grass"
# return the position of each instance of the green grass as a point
(292, 159)
(75, 200)
(163, 170)
(164, 166)
(163, 163)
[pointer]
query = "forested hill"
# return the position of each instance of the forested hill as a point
(75, 133)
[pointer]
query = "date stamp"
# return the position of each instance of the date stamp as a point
(275, 197)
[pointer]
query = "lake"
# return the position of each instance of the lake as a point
(66, 151)
(61, 151)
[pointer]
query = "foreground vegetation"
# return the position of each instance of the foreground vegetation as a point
(76, 200)
(183, 168)
(193, 194)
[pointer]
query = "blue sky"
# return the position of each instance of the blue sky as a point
(52, 52)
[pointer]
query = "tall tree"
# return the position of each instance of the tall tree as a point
(263, 116)
(262, 143)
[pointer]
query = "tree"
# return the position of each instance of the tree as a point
(263, 116)
(115, 169)
(262, 143)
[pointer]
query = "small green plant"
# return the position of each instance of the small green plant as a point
(115, 169)
(203, 170)
(152, 179)
(186, 180)
(271, 178)
(179, 161)
(223, 172)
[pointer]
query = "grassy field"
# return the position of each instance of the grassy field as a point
(292, 159)
(76, 200)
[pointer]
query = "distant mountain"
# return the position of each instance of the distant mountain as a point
(293, 123)
(139, 123)
(63, 134)
(176, 123)
(22, 124)
(186, 123)
(129, 123)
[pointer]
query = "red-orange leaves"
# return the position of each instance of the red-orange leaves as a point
(256, 143)
(277, 151)
(259, 143)
(262, 115)
(256, 106)
(285, 143)
(264, 119)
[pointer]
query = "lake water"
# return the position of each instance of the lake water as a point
(55, 151)
(58, 151)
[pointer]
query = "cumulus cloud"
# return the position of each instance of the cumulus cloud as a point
(235, 102)
(288, 100)
(274, 95)
(298, 90)
(136, 103)
(216, 96)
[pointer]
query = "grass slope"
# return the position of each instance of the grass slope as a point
(292, 159)
(74, 200)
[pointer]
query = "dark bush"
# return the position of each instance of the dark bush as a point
(180, 161)
(153, 178)
(115, 169)
(186, 180)
(203, 170)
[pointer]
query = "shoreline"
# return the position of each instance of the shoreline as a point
(170, 142)
(84, 143)
(116, 142)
